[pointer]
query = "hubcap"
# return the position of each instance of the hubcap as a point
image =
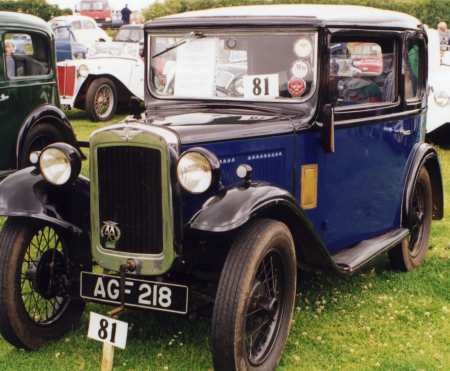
(264, 312)
(44, 281)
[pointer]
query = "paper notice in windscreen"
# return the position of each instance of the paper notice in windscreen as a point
(196, 68)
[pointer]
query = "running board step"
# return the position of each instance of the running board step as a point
(351, 259)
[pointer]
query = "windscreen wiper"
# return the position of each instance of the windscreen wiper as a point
(190, 36)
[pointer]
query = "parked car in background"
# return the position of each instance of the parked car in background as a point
(99, 10)
(213, 199)
(131, 33)
(30, 116)
(110, 76)
(85, 29)
(438, 115)
(67, 46)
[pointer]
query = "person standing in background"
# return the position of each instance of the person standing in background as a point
(126, 15)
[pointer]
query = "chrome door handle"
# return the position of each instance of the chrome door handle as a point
(404, 132)
(4, 97)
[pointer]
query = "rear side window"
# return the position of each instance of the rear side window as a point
(26, 54)
(413, 69)
(362, 72)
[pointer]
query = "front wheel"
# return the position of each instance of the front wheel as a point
(39, 283)
(255, 299)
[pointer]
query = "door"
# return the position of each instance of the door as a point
(28, 81)
(361, 184)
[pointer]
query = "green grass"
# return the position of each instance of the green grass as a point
(378, 319)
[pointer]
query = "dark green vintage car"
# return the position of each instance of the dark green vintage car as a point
(30, 117)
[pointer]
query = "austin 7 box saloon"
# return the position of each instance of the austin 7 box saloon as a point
(30, 117)
(274, 138)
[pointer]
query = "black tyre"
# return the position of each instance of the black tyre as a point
(101, 99)
(39, 136)
(255, 299)
(39, 283)
(411, 253)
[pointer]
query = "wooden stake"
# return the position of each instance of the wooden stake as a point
(108, 357)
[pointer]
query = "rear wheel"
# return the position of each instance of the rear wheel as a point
(411, 253)
(39, 283)
(101, 99)
(255, 299)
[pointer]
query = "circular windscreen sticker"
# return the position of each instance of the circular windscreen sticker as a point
(300, 69)
(296, 87)
(303, 48)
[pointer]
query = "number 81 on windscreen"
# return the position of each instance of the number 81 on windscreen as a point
(108, 330)
(261, 86)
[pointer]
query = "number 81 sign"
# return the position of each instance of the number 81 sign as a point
(108, 330)
(261, 86)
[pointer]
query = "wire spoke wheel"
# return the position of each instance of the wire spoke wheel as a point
(264, 310)
(104, 101)
(44, 279)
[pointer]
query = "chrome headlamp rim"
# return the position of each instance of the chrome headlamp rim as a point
(83, 70)
(69, 154)
(214, 168)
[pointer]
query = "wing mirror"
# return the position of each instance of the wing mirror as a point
(327, 119)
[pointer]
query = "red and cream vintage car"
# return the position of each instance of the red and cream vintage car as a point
(110, 76)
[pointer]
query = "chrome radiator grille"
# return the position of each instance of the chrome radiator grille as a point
(130, 194)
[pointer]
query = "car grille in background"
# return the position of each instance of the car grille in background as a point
(66, 80)
(129, 180)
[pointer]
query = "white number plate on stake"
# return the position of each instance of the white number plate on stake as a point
(108, 330)
(261, 86)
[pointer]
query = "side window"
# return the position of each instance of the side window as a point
(362, 71)
(26, 55)
(413, 69)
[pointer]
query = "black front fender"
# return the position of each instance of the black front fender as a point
(27, 194)
(234, 207)
(47, 113)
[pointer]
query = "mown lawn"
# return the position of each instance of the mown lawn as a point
(378, 319)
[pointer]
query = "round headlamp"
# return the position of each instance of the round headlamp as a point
(60, 163)
(442, 98)
(83, 70)
(197, 170)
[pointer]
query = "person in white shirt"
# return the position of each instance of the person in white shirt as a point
(10, 48)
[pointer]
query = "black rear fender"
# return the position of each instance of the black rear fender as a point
(425, 155)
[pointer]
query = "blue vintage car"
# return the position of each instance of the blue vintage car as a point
(66, 44)
(275, 138)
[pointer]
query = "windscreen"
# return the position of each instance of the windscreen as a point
(266, 65)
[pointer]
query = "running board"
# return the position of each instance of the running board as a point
(351, 259)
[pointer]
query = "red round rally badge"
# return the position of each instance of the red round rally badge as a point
(296, 87)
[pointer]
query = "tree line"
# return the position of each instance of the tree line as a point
(38, 8)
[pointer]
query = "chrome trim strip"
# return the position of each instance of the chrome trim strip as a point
(378, 118)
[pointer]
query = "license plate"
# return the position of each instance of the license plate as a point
(108, 330)
(138, 293)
